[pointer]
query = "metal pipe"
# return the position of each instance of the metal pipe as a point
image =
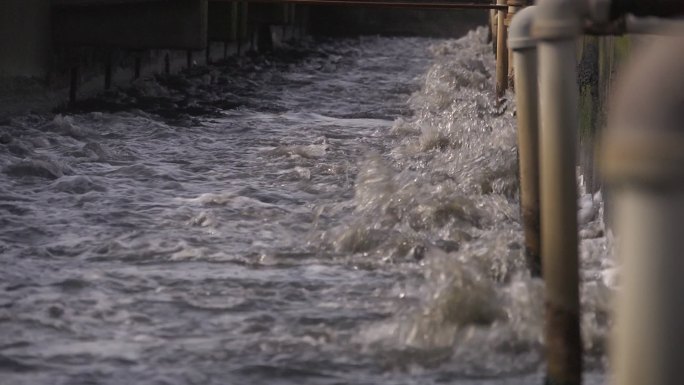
(514, 6)
(557, 25)
(386, 3)
(493, 25)
(501, 54)
(524, 48)
(642, 163)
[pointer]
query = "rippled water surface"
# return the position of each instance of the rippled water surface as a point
(342, 212)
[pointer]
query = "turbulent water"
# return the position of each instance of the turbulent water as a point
(342, 212)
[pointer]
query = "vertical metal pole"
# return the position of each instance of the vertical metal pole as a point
(293, 21)
(558, 98)
(501, 54)
(137, 66)
(167, 64)
(514, 6)
(239, 34)
(648, 337)
(243, 28)
(642, 159)
(108, 72)
(493, 25)
(253, 35)
(558, 102)
(73, 84)
(234, 28)
(300, 19)
(286, 21)
(524, 49)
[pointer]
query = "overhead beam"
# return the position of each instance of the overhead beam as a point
(387, 3)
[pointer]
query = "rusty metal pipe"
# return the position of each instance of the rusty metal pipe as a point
(524, 48)
(493, 17)
(514, 6)
(501, 53)
(642, 164)
(557, 25)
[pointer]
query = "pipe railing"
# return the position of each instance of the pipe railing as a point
(501, 52)
(649, 346)
(556, 26)
(524, 48)
(643, 159)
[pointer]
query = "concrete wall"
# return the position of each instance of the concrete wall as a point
(52, 51)
(48, 46)
(179, 24)
(24, 38)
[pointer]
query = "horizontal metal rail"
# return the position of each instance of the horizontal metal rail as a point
(351, 3)
(384, 3)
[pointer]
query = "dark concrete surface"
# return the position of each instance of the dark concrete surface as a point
(177, 24)
(350, 21)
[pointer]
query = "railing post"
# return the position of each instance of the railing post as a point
(557, 25)
(501, 54)
(524, 48)
(137, 65)
(643, 158)
(73, 83)
(514, 6)
(108, 71)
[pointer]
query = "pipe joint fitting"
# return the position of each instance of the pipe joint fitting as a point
(599, 11)
(520, 33)
(558, 30)
(514, 6)
(559, 19)
(509, 17)
(644, 141)
(637, 158)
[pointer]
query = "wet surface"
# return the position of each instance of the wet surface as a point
(341, 212)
